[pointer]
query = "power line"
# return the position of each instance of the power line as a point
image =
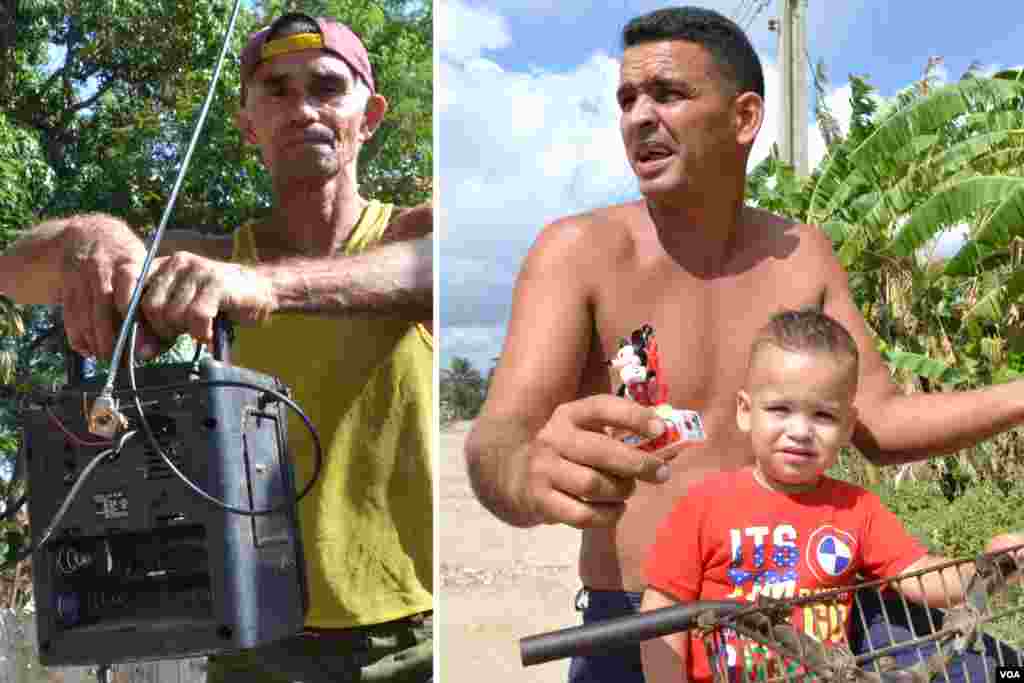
(736, 10)
(741, 10)
(761, 6)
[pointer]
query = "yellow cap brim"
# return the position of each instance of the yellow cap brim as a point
(292, 43)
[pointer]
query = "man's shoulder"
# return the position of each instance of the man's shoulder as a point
(621, 215)
(773, 225)
(787, 239)
(603, 231)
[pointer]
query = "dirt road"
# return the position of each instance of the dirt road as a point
(498, 583)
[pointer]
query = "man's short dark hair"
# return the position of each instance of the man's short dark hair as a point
(720, 36)
(291, 24)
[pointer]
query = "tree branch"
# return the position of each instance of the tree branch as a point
(85, 104)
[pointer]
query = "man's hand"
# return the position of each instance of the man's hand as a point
(572, 472)
(185, 292)
(102, 259)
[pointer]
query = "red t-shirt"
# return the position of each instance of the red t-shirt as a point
(731, 538)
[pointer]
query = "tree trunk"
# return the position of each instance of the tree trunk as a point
(8, 37)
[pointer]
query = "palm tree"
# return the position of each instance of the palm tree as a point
(934, 159)
(462, 389)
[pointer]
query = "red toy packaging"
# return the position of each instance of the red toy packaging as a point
(636, 367)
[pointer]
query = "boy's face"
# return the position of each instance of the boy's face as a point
(798, 410)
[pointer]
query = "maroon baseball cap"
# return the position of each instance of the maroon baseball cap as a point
(334, 37)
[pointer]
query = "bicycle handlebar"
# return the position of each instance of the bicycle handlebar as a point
(620, 631)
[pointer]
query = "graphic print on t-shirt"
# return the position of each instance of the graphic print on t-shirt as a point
(772, 571)
(774, 561)
(829, 554)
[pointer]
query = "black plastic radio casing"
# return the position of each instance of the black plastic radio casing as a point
(141, 567)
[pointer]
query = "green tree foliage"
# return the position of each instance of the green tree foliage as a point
(462, 389)
(931, 158)
(112, 91)
(928, 160)
(26, 181)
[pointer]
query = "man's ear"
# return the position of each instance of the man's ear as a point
(244, 124)
(743, 411)
(749, 110)
(376, 107)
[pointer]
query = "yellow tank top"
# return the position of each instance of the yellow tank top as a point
(366, 383)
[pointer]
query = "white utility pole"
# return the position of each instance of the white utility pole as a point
(793, 119)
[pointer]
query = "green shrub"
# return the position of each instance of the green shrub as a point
(960, 528)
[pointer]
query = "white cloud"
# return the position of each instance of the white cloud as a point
(523, 148)
(520, 149)
(470, 338)
(465, 32)
(479, 344)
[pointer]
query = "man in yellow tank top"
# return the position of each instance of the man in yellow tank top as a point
(334, 296)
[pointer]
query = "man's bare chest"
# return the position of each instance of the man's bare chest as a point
(704, 328)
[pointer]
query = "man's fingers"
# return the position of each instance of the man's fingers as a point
(177, 310)
(603, 453)
(561, 491)
(154, 303)
(595, 413)
(559, 508)
(204, 309)
(123, 280)
(591, 485)
(77, 315)
(104, 326)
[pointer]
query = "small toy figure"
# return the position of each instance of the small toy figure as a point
(637, 377)
(637, 363)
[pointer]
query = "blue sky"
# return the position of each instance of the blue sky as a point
(528, 126)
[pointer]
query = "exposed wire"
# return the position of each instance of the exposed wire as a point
(74, 438)
(318, 451)
(76, 488)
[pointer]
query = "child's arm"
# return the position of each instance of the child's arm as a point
(946, 588)
(664, 658)
(935, 589)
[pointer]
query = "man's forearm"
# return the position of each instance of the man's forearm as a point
(395, 279)
(30, 268)
(489, 450)
(33, 269)
(916, 426)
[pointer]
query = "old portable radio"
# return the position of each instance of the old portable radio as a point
(141, 567)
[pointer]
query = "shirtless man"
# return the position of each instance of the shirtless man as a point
(355, 277)
(707, 272)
